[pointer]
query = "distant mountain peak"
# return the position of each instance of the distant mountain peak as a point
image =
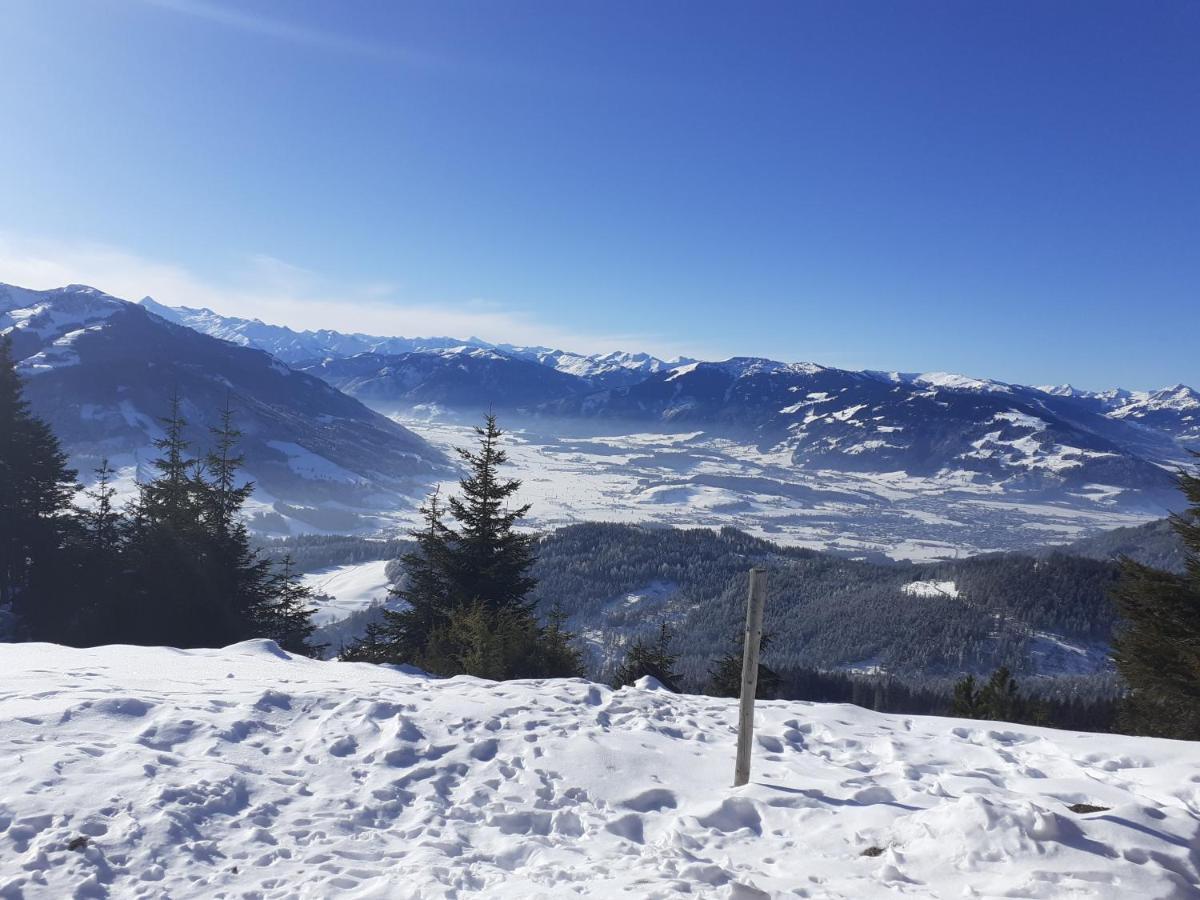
(1178, 396)
(1060, 390)
(952, 381)
(955, 381)
(100, 369)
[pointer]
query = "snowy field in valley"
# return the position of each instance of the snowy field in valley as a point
(349, 588)
(693, 480)
(245, 773)
(931, 589)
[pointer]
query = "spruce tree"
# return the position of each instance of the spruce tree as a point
(1157, 649)
(373, 647)
(224, 496)
(102, 520)
(465, 586)
(172, 497)
(725, 677)
(195, 580)
(966, 701)
(403, 635)
(101, 554)
(488, 643)
(247, 599)
(286, 616)
(169, 559)
(36, 490)
(490, 560)
(999, 698)
(653, 658)
(560, 653)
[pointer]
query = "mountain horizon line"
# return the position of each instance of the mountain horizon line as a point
(231, 324)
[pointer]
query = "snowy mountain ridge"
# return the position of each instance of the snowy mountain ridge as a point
(295, 347)
(102, 372)
(797, 450)
(305, 346)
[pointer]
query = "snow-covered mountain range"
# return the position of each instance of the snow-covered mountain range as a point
(302, 348)
(103, 371)
(801, 452)
(765, 395)
(1051, 439)
(923, 425)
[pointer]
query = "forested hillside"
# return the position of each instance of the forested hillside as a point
(1047, 615)
(923, 623)
(1153, 544)
(310, 552)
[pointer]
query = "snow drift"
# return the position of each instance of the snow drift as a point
(243, 772)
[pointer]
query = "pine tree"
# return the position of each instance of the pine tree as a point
(999, 698)
(101, 555)
(102, 520)
(1157, 650)
(465, 586)
(171, 497)
(169, 558)
(966, 698)
(36, 490)
(650, 658)
(490, 559)
(725, 678)
(247, 600)
(560, 654)
(286, 616)
(404, 634)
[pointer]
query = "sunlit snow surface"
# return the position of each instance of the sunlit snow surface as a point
(349, 588)
(243, 773)
(695, 480)
(931, 589)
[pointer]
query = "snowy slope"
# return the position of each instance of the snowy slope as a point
(1174, 409)
(245, 773)
(102, 372)
(288, 345)
(460, 378)
(350, 588)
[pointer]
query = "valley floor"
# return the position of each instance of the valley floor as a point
(350, 588)
(247, 773)
(691, 480)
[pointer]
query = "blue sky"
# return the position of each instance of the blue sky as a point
(1008, 189)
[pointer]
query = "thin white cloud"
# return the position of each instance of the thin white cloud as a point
(257, 23)
(279, 292)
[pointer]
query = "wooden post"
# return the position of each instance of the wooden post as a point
(754, 618)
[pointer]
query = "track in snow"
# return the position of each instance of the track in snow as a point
(245, 773)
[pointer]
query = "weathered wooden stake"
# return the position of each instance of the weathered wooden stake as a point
(754, 617)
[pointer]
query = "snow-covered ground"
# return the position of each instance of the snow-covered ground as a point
(245, 773)
(693, 480)
(931, 589)
(350, 588)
